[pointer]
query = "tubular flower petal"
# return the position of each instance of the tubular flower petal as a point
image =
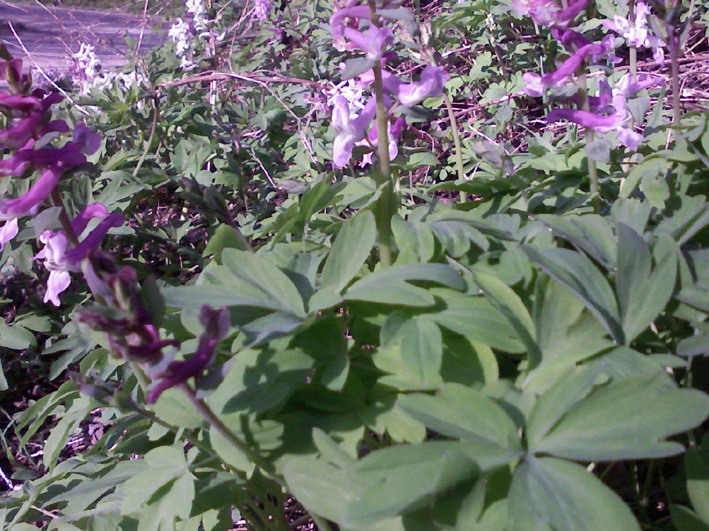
(35, 196)
(548, 13)
(216, 327)
(373, 42)
(535, 84)
(338, 18)
(433, 79)
(8, 231)
(602, 124)
(349, 130)
(58, 257)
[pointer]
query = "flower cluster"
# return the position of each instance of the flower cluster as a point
(131, 331)
(187, 34)
(58, 256)
(29, 132)
(608, 111)
(87, 73)
(130, 328)
(353, 120)
(635, 31)
(262, 9)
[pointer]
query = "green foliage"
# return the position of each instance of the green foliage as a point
(528, 361)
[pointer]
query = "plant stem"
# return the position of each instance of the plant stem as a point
(592, 170)
(633, 56)
(456, 141)
(674, 61)
(385, 204)
(64, 217)
(213, 420)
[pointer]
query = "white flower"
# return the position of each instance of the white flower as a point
(199, 15)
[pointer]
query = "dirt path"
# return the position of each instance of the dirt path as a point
(50, 34)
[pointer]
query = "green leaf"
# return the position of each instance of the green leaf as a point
(584, 280)
(165, 483)
(391, 285)
(422, 158)
(591, 232)
(323, 488)
(398, 473)
(349, 251)
(464, 413)
(567, 333)
(696, 468)
(687, 520)
(488, 326)
(421, 349)
(506, 301)
(225, 237)
(550, 494)
(245, 279)
(16, 337)
(626, 419)
(411, 352)
(175, 408)
(640, 306)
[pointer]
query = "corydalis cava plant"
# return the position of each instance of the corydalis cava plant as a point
(131, 332)
(608, 111)
(354, 30)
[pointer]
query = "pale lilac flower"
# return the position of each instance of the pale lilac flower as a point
(548, 12)
(349, 130)
(60, 259)
(216, 327)
(373, 42)
(636, 32)
(535, 84)
(262, 9)
(8, 231)
(394, 132)
(199, 15)
(433, 79)
(609, 111)
(431, 84)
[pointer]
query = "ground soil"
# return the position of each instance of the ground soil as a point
(45, 37)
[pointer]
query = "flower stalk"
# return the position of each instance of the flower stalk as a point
(385, 205)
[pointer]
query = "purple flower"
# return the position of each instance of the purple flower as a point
(35, 196)
(433, 79)
(547, 12)
(373, 42)
(8, 231)
(394, 134)
(59, 259)
(350, 129)
(216, 327)
(617, 122)
(339, 16)
(535, 84)
(29, 126)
